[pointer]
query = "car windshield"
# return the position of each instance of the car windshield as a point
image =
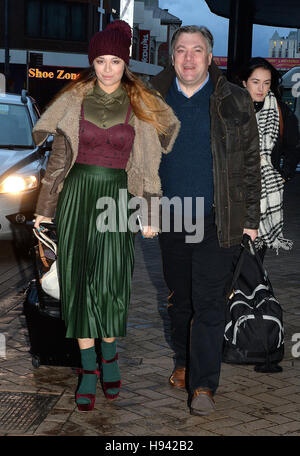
(15, 125)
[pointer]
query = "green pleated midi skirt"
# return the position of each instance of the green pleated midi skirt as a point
(95, 252)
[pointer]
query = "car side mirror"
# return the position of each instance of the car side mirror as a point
(47, 145)
(49, 142)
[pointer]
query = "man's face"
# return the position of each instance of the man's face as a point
(190, 59)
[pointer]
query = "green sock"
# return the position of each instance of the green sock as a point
(88, 381)
(111, 372)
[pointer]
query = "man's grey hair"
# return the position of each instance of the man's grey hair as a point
(207, 35)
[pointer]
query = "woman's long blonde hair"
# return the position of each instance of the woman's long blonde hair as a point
(137, 92)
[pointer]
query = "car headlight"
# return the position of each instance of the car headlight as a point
(17, 184)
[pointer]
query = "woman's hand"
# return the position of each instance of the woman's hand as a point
(39, 219)
(149, 232)
(252, 233)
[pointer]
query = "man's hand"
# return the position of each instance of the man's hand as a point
(252, 233)
(149, 232)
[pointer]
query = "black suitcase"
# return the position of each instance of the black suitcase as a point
(48, 344)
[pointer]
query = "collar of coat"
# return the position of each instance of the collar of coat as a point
(63, 117)
(163, 81)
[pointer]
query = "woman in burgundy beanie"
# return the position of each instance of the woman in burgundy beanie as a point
(109, 133)
(114, 40)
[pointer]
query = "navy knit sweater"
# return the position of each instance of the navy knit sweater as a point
(187, 171)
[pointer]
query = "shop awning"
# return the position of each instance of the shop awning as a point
(277, 13)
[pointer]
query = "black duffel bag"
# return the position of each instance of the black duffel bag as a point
(254, 332)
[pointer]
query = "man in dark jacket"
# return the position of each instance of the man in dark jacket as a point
(215, 156)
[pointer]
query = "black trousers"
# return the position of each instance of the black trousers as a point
(197, 275)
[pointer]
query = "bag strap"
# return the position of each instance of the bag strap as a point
(258, 260)
(238, 269)
(46, 240)
(42, 254)
(248, 244)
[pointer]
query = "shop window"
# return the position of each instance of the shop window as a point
(288, 98)
(56, 20)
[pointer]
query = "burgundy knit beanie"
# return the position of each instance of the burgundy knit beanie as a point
(114, 40)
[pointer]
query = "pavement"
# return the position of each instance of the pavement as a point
(40, 401)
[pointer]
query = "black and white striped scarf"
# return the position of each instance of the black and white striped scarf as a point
(271, 204)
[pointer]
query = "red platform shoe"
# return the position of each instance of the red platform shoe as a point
(92, 397)
(111, 385)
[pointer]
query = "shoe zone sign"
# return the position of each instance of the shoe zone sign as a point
(56, 73)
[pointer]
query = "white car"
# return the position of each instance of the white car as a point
(22, 164)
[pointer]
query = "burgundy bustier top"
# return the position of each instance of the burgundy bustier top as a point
(107, 147)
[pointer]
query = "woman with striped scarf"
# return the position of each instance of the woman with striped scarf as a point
(279, 148)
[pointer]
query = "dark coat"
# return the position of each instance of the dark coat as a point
(236, 156)
(287, 149)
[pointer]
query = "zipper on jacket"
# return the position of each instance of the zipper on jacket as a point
(216, 202)
(226, 171)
